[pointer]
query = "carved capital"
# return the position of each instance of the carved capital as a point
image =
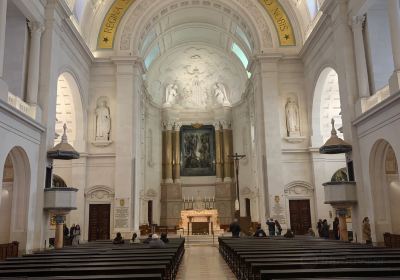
(167, 125)
(177, 126)
(358, 22)
(226, 124)
(36, 27)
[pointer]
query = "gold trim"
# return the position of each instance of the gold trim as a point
(110, 24)
(197, 125)
(281, 21)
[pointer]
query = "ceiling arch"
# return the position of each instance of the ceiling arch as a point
(272, 23)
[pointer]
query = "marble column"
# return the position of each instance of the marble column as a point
(344, 235)
(176, 153)
(59, 236)
(164, 152)
(218, 152)
(36, 29)
(394, 22)
(227, 150)
(128, 134)
(361, 61)
(3, 19)
(167, 151)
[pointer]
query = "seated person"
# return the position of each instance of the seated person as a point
(148, 239)
(289, 233)
(118, 239)
(164, 237)
(156, 242)
(260, 232)
(310, 232)
(135, 238)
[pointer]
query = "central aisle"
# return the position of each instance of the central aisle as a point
(204, 262)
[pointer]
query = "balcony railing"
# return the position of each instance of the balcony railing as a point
(22, 106)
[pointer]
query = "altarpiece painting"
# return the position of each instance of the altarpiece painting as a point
(197, 150)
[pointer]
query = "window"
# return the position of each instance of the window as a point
(153, 54)
(242, 35)
(240, 54)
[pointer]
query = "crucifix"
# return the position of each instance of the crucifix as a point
(236, 158)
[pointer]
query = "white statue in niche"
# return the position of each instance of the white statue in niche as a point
(292, 118)
(220, 94)
(103, 121)
(171, 94)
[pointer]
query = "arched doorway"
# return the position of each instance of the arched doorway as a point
(14, 204)
(385, 189)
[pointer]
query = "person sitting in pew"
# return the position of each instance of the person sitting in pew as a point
(118, 239)
(289, 233)
(135, 238)
(156, 242)
(148, 239)
(260, 232)
(164, 237)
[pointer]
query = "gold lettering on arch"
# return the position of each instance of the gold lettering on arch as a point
(281, 21)
(110, 24)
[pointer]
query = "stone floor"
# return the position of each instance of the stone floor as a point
(204, 262)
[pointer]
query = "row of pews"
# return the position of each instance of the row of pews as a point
(304, 258)
(98, 260)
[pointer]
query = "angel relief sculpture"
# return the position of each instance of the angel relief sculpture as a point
(220, 94)
(171, 93)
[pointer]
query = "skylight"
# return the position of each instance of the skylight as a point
(240, 54)
(243, 36)
(153, 54)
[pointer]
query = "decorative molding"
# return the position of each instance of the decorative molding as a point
(299, 188)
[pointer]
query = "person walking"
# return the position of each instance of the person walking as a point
(325, 229)
(278, 228)
(319, 227)
(76, 235)
(366, 231)
(234, 227)
(71, 232)
(271, 227)
(336, 228)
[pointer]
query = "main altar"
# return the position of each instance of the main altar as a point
(200, 222)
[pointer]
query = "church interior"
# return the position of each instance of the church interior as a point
(189, 116)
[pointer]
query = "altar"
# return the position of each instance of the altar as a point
(200, 222)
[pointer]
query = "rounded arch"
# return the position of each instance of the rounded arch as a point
(326, 105)
(99, 189)
(385, 188)
(143, 16)
(15, 195)
(302, 187)
(70, 108)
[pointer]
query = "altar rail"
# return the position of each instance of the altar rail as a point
(8, 250)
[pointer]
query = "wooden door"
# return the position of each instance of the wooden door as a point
(99, 222)
(150, 211)
(248, 208)
(300, 216)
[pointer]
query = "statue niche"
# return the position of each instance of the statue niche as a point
(292, 118)
(171, 94)
(102, 123)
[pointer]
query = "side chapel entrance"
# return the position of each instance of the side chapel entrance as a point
(300, 216)
(99, 222)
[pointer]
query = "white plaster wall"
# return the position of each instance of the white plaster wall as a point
(382, 122)
(16, 51)
(379, 45)
(17, 130)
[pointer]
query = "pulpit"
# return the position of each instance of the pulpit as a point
(200, 222)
